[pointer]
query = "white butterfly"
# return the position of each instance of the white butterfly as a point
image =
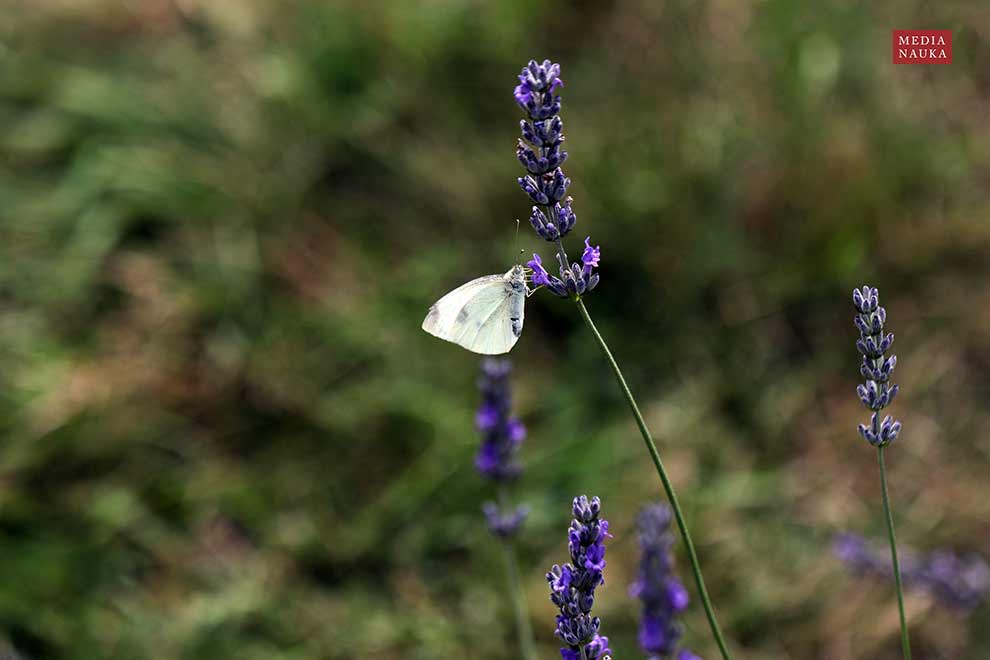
(484, 315)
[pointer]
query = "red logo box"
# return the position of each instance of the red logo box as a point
(922, 46)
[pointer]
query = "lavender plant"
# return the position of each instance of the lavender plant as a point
(572, 586)
(961, 582)
(552, 217)
(662, 594)
(876, 394)
(497, 461)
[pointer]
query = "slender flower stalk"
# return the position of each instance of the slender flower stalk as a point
(502, 434)
(572, 586)
(876, 394)
(552, 217)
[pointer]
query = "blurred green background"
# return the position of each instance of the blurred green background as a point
(223, 434)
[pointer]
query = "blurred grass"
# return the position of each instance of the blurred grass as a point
(222, 433)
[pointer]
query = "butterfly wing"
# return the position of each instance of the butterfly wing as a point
(500, 332)
(478, 316)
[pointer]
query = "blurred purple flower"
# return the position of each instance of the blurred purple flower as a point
(504, 524)
(662, 594)
(958, 581)
(501, 437)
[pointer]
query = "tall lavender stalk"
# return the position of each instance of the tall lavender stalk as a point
(876, 394)
(501, 436)
(552, 217)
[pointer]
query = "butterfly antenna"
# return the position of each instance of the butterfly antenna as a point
(518, 249)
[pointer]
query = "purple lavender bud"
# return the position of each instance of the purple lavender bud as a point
(861, 324)
(541, 277)
(546, 229)
(878, 320)
(868, 434)
(558, 185)
(572, 586)
(662, 594)
(889, 430)
(529, 133)
(528, 159)
(877, 392)
(530, 187)
(886, 342)
(566, 218)
(866, 299)
(891, 393)
(545, 133)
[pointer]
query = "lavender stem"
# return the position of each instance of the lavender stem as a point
(524, 631)
(668, 487)
(905, 642)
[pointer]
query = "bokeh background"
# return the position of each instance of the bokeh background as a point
(223, 434)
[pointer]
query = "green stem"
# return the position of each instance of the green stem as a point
(905, 643)
(668, 487)
(523, 628)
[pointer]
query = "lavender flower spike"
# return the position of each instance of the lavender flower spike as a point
(662, 594)
(572, 586)
(501, 436)
(539, 152)
(877, 392)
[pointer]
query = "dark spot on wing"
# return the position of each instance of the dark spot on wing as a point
(462, 315)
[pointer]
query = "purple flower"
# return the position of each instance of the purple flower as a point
(662, 594)
(961, 582)
(591, 255)
(572, 586)
(534, 93)
(539, 152)
(540, 275)
(596, 649)
(877, 392)
(504, 524)
(501, 437)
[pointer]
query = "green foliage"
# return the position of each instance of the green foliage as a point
(222, 433)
